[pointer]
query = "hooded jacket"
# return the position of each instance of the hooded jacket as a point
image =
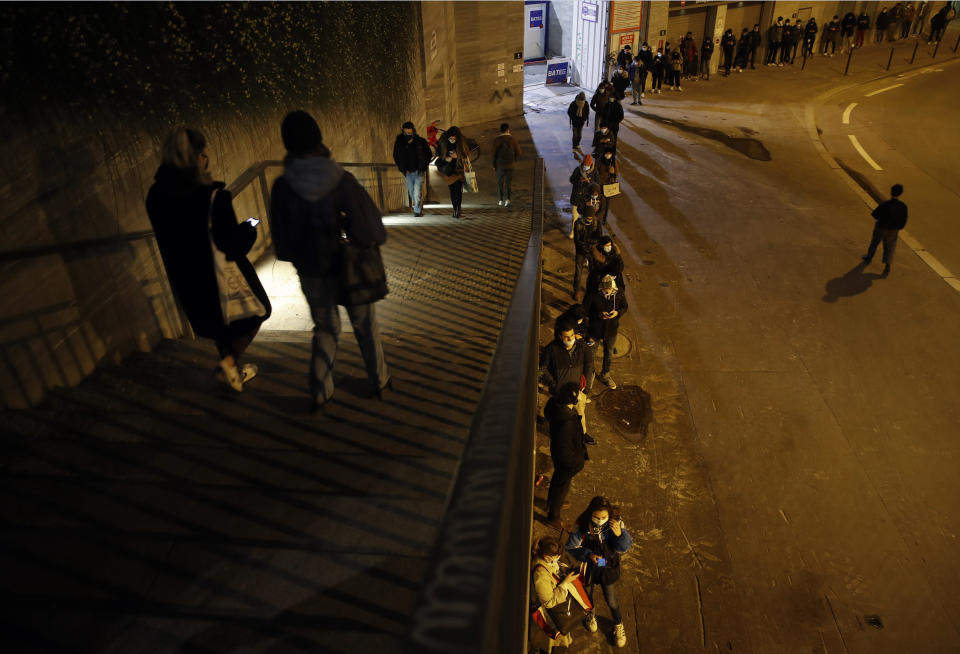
(847, 24)
(581, 181)
(603, 264)
(562, 366)
(567, 446)
(178, 207)
(586, 235)
(310, 203)
(579, 116)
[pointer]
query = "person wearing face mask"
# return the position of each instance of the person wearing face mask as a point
(774, 37)
(568, 447)
(551, 588)
(579, 114)
(620, 82)
(452, 162)
(607, 260)
(604, 304)
(727, 44)
(594, 198)
(646, 58)
(612, 116)
(412, 155)
(565, 360)
(581, 178)
(599, 99)
(706, 53)
(657, 69)
(602, 138)
(586, 234)
(598, 539)
(637, 73)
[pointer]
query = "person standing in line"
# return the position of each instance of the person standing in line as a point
(727, 44)
(586, 234)
(599, 99)
(625, 56)
(810, 36)
(786, 43)
(740, 60)
(579, 114)
(863, 26)
(689, 49)
(921, 18)
(882, 22)
(311, 203)
(676, 67)
(412, 155)
(706, 52)
(602, 138)
(637, 74)
(620, 82)
(890, 217)
(774, 38)
(847, 27)
(598, 539)
(604, 305)
(452, 162)
(569, 360)
(580, 180)
(550, 589)
(893, 27)
(909, 15)
(187, 209)
(796, 38)
(568, 447)
(506, 150)
(656, 71)
(646, 58)
(594, 198)
(753, 45)
(829, 37)
(607, 260)
(612, 117)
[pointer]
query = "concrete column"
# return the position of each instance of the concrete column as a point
(716, 23)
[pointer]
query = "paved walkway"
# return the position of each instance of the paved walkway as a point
(149, 509)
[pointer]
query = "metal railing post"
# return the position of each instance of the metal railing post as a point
(849, 57)
(265, 193)
(890, 60)
(956, 45)
(379, 171)
(916, 46)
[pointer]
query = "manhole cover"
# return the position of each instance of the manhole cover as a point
(622, 348)
(627, 409)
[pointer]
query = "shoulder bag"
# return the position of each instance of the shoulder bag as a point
(237, 299)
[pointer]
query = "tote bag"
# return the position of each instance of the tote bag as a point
(237, 299)
(470, 179)
(610, 190)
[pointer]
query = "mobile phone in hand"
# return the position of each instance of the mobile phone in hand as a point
(601, 562)
(253, 221)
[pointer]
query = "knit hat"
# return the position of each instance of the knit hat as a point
(588, 161)
(300, 133)
(605, 240)
(589, 211)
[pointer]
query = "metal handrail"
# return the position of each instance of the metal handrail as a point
(476, 590)
(256, 171)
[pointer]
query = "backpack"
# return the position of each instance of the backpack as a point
(504, 155)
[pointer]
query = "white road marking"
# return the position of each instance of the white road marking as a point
(846, 113)
(863, 153)
(882, 90)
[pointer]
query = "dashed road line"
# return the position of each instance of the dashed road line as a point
(846, 113)
(882, 90)
(863, 153)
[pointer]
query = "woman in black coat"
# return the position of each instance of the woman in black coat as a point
(579, 114)
(453, 162)
(179, 206)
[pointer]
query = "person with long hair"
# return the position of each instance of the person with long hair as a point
(186, 209)
(551, 590)
(452, 162)
(598, 540)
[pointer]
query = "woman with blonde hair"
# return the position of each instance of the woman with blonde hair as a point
(189, 212)
(551, 590)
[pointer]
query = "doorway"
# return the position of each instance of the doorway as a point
(535, 31)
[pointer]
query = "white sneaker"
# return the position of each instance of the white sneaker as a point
(499, 203)
(679, 88)
(607, 381)
(248, 371)
(620, 635)
(230, 376)
(590, 622)
(642, 94)
(506, 203)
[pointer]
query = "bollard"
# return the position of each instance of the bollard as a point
(849, 57)
(937, 48)
(804, 62)
(915, 47)
(956, 45)
(890, 60)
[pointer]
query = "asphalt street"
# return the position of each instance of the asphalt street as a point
(796, 490)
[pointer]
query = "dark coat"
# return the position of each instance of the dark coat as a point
(506, 150)
(620, 83)
(891, 214)
(585, 235)
(646, 56)
(602, 141)
(561, 366)
(178, 207)
(706, 50)
(578, 119)
(810, 31)
(847, 24)
(728, 42)
(755, 39)
(605, 264)
(453, 170)
(582, 543)
(775, 33)
(568, 449)
(606, 170)
(613, 114)
(581, 182)
(598, 101)
(310, 203)
(863, 22)
(596, 305)
(411, 155)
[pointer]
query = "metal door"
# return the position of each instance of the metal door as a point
(535, 31)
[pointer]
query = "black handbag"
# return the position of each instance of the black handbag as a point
(362, 278)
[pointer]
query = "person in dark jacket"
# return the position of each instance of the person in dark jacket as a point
(599, 533)
(890, 217)
(506, 150)
(774, 39)
(689, 49)
(453, 162)
(604, 304)
(594, 198)
(882, 22)
(637, 73)
(412, 155)
(847, 27)
(580, 179)
(567, 359)
(938, 24)
(607, 260)
(620, 82)
(625, 56)
(612, 116)
(602, 138)
(657, 70)
(706, 53)
(828, 39)
(311, 203)
(863, 26)
(586, 234)
(753, 45)
(568, 446)
(607, 171)
(796, 38)
(727, 44)
(186, 209)
(579, 114)
(743, 46)
(909, 15)
(646, 58)
(599, 100)
(810, 36)
(675, 64)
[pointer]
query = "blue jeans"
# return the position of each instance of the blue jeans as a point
(504, 179)
(609, 594)
(415, 190)
(321, 296)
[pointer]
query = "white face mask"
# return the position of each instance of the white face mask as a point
(607, 249)
(452, 140)
(569, 343)
(597, 522)
(604, 130)
(608, 293)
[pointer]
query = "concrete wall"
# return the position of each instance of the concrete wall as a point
(89, 92)
(561, 27)
(656, 22)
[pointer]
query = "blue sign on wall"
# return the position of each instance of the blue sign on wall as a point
(536, 18)
(557, 73)
(589, 12)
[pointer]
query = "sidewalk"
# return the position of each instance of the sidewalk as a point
(150, 509)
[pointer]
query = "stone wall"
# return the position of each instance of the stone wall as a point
(87, 93)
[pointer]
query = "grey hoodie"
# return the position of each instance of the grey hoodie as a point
(312, 178)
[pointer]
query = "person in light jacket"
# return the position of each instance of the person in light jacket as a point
(550, 588)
